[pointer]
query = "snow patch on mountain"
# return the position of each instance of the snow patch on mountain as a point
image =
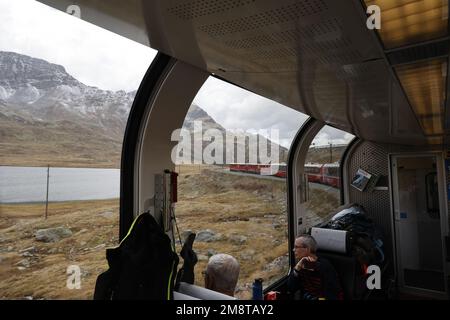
(46, 91)
(5, 93)
(27, 94)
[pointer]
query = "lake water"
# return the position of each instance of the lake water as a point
(29, 184)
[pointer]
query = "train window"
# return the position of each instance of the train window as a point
(322, 174)
(232, 191)
(65, 94)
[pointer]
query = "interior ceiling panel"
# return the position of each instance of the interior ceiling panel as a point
(419, 52)
(315, 56)
(424, 84)
(406, 22)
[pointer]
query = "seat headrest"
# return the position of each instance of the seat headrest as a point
(202, 293)
(182, 296)
(331, 240)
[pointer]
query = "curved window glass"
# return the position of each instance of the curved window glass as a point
(66, 88)
(322, 174)
(232, 183)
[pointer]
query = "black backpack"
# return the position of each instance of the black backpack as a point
(366, 237)
(142, 267)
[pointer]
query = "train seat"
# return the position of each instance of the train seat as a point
(350, 275)
(188, 291)
(181, 296)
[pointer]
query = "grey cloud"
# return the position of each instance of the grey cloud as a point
(331, 135)
(236, 108)
(93, 55)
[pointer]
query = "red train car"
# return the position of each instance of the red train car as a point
(278, 170)
(282, 168)
(314, 172)
(323, 173)
(327, 174)
(330, 174)
(245, 167)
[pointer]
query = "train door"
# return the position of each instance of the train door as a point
(420, 224)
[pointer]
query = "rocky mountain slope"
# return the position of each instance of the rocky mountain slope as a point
(47, 117)
(46, 92)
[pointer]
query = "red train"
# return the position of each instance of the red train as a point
(277, 170)
(314, 172)
(323, 173)
(327, 174)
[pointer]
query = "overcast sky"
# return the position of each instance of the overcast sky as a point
(103, 59)
(236, 108)
(92, 55)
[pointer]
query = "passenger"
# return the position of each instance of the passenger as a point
(313, 277)
(222, 273)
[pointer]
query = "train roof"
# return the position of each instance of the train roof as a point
(331, 165)
(257, 164)
(317, 165)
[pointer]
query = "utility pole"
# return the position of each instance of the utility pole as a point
(46, 198)
(331, 152)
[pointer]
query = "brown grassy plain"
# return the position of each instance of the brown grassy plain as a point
(246, 214)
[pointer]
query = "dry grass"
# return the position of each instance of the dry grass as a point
(231, 206)
(94, 225)
(58, 144)
(246, 213)
(322, 202)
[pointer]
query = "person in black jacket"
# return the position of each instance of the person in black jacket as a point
(312, 278)
(142, 267)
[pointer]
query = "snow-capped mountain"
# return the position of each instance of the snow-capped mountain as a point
(46, 115)
(46, 91)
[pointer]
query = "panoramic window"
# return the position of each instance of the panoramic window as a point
(232, 180)
(65, 95)
(322, 174)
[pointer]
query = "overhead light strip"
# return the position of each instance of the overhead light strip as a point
(424, 85)
(405, 22)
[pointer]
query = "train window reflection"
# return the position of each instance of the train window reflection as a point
(322, 174)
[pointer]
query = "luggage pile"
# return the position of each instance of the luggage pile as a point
(365, 237)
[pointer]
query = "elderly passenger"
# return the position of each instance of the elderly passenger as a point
(313, 277)
(222, 273)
